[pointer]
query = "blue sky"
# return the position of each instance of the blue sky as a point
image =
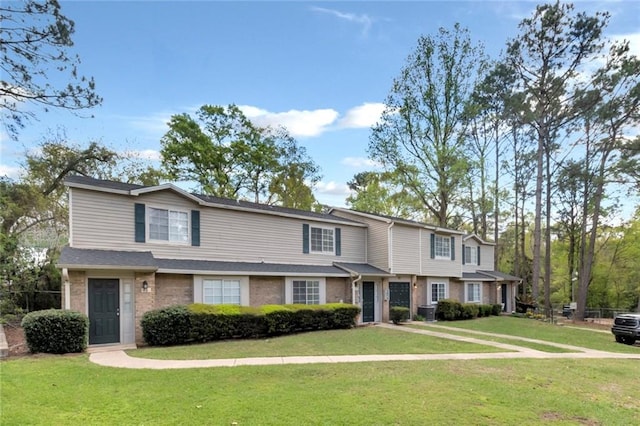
(322, 69)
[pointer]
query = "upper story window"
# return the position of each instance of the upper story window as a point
(168, 225)
(471, 255)
(442, 247)
(321, 240)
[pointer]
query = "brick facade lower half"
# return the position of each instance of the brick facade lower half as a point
(338, 290)
(173, 289)
(266, 291)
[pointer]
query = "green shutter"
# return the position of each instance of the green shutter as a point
(305, 238)
(463, 255)
(139, 223)
(195, 228)
(478, 255)
(433, 246)
(453, 248)
(338, 242)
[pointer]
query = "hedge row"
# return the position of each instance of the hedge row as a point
(452, 310)
(198, 322)
(56, 331)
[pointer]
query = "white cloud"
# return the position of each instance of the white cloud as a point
(365, 115)
(332, 188)
(12, 172)
(299, 123)
(364, 20)
(360, 162)
(145, 154)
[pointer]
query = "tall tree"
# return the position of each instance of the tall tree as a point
(228, 156)
(35, 38)
(609, 122)
(420, 135)
(379, 193)
(546, 57)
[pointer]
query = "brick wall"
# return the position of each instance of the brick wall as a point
(266, 291)
(338, 289)
(78, 280)
(456, 291)
(173, 289)
(145, 300)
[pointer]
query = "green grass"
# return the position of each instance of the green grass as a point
(509, 341)
(544, 331)
(70, 390)
(362, 340)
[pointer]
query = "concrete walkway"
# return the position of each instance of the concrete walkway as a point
(119, 359)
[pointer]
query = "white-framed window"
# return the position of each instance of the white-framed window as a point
(305, 290)
(442, 247)
(168, 225)
(438, 292)
(473, 293)
(322, 240)
(232, 290)
(221, 291)
(471, 255)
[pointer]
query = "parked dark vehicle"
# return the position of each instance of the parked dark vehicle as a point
(626, 328)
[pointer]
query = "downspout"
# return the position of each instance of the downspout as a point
(67, 289)
(354, 293)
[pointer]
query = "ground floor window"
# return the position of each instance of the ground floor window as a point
(305, 290)
(221, 291)
(438, 292)
(473, 292)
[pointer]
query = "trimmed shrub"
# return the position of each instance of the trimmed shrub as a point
(167, 326)
(398, 314)
(470, 311)
(205, 323)
(497, 309)
(56, 331)
(448, 310)
(344, 315)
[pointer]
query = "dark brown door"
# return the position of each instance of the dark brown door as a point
(104, 311)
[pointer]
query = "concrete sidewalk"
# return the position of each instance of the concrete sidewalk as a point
(119, 359)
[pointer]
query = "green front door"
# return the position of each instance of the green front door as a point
(368, 301)
(104, 311)
(399, 295)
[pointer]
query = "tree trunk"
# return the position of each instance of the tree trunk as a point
(537, 229)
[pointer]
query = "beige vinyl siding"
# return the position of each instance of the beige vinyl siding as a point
(406, 250)
(441, 267)
(106, 221)
(486, 256)
(377, 239)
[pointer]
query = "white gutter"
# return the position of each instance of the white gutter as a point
(353, 294)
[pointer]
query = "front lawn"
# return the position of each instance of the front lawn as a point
(541, 330)
(71, 390)
(361, 340)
